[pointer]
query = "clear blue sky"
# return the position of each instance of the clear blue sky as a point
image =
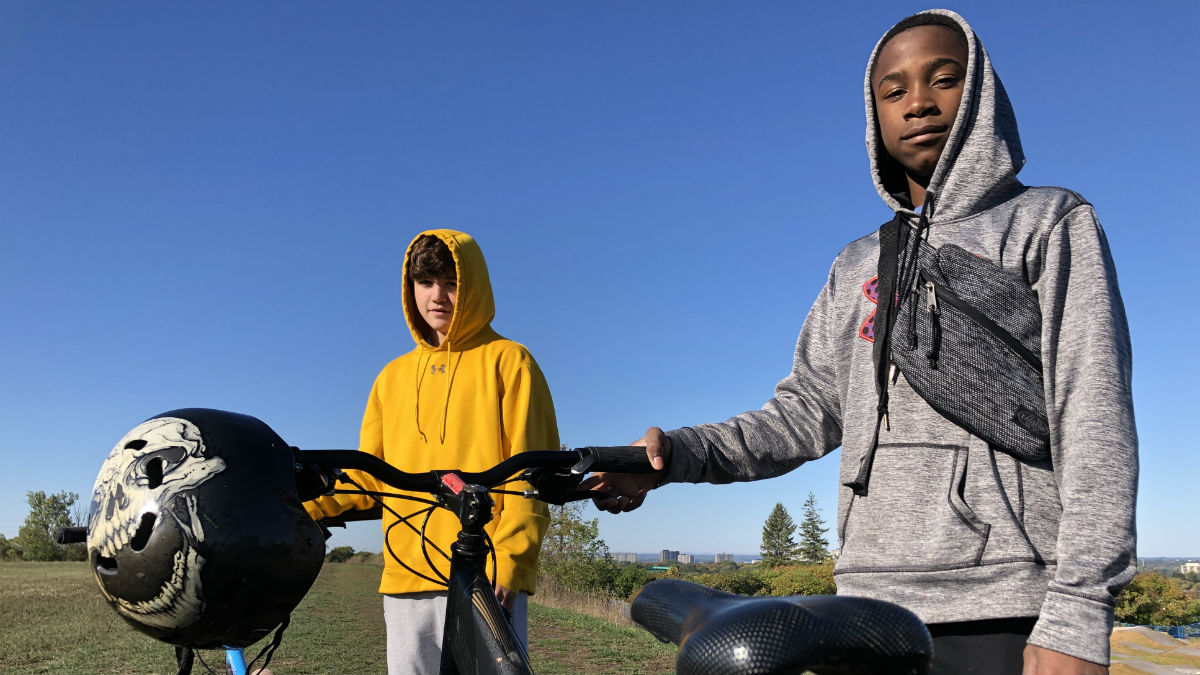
(207, 205)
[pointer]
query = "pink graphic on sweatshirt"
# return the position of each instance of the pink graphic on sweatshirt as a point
(871, 290)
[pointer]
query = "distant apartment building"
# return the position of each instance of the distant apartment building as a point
(686, 558)
(668, 556)
(625, 557)
(1185, 568)
(724, 557)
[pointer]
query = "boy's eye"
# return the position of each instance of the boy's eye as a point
(945, 82)
(893, 94)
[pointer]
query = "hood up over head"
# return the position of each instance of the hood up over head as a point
(474, 308)
(979, 164)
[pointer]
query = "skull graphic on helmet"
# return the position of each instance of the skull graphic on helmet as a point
(197, 535)
(137, 496)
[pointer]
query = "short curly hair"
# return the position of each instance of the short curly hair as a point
(430, 258)
(925, 20)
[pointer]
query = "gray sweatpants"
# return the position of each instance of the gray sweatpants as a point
(414, 630)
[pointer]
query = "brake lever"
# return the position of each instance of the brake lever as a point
(553, 486)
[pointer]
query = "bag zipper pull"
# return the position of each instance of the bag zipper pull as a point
(935, 324)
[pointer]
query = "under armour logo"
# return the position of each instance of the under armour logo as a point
(437, 368)
(871, 290)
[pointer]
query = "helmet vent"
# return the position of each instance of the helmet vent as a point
(154, 472)
(142, 536)
(136, 444)
(106, 565)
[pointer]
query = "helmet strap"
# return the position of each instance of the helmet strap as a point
(269, 650)
(185, 657)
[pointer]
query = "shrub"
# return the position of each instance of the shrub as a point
(630, 580)
(742, 582)
(801, 580)
(596, 575)
(339, 554)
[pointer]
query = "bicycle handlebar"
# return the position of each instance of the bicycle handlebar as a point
(69, 535)
(554, 474)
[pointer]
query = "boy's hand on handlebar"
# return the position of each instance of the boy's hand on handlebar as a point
(628, 490)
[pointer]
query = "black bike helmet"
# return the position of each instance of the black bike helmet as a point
(196, 533)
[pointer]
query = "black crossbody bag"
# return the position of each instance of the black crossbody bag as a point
(967, 336)
(969, 343)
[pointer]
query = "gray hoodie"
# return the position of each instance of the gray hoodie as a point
(950, 528)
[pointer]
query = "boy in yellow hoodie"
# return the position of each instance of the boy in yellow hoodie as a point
(464, 398)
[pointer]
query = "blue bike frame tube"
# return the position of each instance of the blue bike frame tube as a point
(236, 660)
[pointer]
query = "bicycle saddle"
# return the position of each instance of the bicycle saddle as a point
(719, 632)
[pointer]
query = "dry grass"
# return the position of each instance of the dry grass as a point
(602, 606)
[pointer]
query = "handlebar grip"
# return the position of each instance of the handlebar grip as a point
(69, 535)
(620, 459)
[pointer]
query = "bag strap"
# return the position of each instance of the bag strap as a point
(887, 268)
(890, 245)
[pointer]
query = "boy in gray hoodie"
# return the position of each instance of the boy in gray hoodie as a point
(1013, 564)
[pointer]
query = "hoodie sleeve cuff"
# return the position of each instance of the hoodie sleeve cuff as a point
(514, 576)
(679, 468)
(1074, 626)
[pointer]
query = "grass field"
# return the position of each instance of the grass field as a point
(53, 620)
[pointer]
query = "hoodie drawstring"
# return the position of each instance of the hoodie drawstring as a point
(420, 380)
(909, 273)
(449, 384)
(424, 367)
(893, 240)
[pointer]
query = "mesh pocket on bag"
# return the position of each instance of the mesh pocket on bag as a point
(976, 354)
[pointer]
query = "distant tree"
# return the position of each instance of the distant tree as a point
(339, 554)
(778, 546)
(813, 547)
(7, 551)
(573, 552)
(1153, 599)
(47, 512)
(365, 557)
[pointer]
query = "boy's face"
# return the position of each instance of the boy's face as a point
(918, 83)
(435, 301)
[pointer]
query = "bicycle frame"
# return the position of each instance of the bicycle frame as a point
(478, 635)
(235, 661)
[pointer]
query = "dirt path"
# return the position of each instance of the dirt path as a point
(1143, 651)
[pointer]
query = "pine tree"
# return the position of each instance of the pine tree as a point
(813, 547)
(778, 547)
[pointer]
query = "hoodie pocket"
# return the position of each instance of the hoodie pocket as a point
(915, 517)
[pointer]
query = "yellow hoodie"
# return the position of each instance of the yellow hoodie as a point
(467, 404)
